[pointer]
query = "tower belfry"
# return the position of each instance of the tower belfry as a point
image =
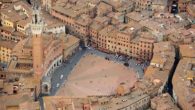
(37, 39)
(37, 22)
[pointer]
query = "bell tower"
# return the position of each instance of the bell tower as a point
(37, 40)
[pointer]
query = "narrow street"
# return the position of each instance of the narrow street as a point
(169, 86)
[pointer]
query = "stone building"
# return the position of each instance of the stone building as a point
(191, 9)
(142, 46)
(182, 5)
(55, 28)
(136, 17)
(161, 63)
(183, 84)
(187, 50)
(9, 34)
(143, 4)
(160, 5)
(42, 50)
(47, 4)
(21, 12)
(6, 48)
(77, 21)
(18, 102)
(106, 31)
(103, 9)
(133, 101)
(103, 35)
(96, 26)
(71, 45)
(163, 102)
(151, 5)
(183, 79)
(64, 103)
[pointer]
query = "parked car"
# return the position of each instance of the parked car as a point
(126, 64)
(107, 58)
(61, 76)
(57, 85)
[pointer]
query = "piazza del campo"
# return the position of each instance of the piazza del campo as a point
(97, 54)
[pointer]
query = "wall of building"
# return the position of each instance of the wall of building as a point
(53, 65)
(70, 51)
(11, 36)
(143, 4)
(52, 52)
(8, 23)
(5, 54)
(56, 30)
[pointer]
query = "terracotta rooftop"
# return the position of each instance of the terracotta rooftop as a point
(185, 94)
(67, 12)
(30, 82)
(84, 20)
(163, 102)
(106, 30)
(57, 102)
(1, 83)
(162, 61)
(30, 106)
(8, 29)
(164, 47)
(113, 103)
(24, 22)
(187, 50)
(7, 44)
(13, 100)
(96, 26)
(137, 16)
(71, 40)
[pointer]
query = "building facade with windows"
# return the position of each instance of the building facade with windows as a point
(5, 51)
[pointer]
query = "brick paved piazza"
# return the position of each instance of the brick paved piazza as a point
(93, 75)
